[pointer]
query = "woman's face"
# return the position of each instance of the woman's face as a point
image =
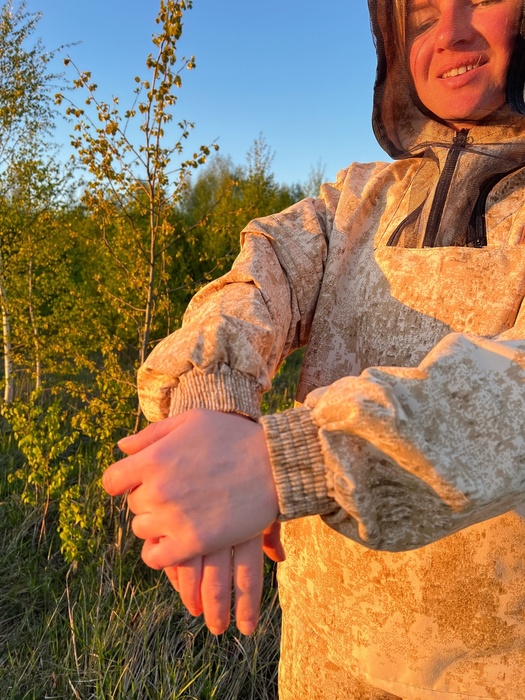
(459, 53)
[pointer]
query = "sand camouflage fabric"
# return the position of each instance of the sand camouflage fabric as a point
(409, 442)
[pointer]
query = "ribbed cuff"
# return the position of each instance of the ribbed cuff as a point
(229, 392)
(297, 463)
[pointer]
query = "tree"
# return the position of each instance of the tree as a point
(26, 109)
(133, 189)
(26, 120)
(36, 247)
(316, 177)
(225, 198)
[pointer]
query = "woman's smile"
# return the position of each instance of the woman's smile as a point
(459, 54)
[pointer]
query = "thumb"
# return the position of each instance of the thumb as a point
(272, 545)
(132, 444)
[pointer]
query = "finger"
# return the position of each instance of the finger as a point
(248, 571)
(127, 473)
(190, 578)
(162, 554)
(144, 500)
(153, 432)
(145, 527)
(122, 476)
(272, 545)
(216, 590)
(135, 501)
(173, 576)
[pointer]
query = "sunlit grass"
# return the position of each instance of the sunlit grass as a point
(107, 627)
(113, 628)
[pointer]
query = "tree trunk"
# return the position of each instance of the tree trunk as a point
(36, 342)
(6, 333)
(150, 301)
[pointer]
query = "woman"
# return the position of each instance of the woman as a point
(411, 585)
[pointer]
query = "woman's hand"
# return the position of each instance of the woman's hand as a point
(203, 582)
(205, 585)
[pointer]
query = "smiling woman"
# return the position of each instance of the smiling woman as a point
(459, 55)
(406, 282)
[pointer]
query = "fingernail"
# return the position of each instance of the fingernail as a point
(217, 631)
(247, 627)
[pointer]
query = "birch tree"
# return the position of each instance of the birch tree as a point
(34, 275)
(26, 120)
(134, 185)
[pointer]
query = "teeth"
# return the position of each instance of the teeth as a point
(459, 71)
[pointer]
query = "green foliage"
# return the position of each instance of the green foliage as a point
(41, 434)
(281, 396)
(26, 120)
(54, 473)
(223, 200)
(26, 111)
(36, 257)
(130, 199)
(86, 288)
(81, 515)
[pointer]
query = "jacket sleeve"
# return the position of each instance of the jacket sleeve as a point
(238, 329)
(398, 458)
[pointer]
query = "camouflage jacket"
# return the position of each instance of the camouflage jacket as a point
(410, 427)
(406, 281)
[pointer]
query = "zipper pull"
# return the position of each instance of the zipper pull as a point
(460, 139)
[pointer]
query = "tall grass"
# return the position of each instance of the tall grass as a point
(107, 627)
(111, 628)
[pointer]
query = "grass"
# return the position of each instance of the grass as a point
(107, 627)
(110, 628)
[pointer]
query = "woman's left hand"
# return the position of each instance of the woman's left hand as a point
(204, 582)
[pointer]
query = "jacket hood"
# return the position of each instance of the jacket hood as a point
(402, 125)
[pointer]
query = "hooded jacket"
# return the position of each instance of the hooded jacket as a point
(406, 281)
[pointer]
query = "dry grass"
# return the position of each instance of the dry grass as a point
(109, 628)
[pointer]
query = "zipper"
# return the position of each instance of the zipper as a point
(394, 238)
(477, 229)
(436, 212)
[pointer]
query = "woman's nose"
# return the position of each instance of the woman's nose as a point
(454, 27)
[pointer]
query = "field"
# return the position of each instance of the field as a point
(106, 627)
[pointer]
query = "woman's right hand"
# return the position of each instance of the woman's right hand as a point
(205, 583)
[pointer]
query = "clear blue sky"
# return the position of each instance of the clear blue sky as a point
(298, 71)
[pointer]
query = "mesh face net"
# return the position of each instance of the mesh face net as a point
(400, 120)
(406, 128)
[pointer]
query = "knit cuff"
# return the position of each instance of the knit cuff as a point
(297, 463)
(229, 392)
